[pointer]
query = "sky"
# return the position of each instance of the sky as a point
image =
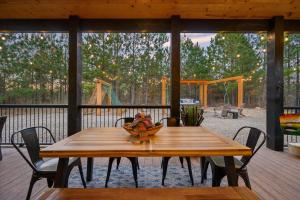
(203, 39)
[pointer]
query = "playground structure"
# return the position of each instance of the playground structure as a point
(103, 95)
(203, 85)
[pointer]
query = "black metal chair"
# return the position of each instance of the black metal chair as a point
(171, 121)
(42, 168)
(218, 165)
(2, 122)
(134, 160)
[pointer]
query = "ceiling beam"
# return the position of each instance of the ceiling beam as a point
(144, 25)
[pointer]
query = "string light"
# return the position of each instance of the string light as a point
(238, 55)
(92, 56)
(99, 66)
(0, 48)
(30, 63)
(42, 37)
(223, 37)
(90, 45)
(286, 39)
(257, 64)
(264, 50)
(262, 37)
(3, 38)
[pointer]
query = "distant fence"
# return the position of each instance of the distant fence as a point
(106, 116)
(55, 117)
(291, 138)
(51, 116)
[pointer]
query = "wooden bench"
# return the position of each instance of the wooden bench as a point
(220, 193)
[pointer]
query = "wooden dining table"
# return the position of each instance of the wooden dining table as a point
(168, 142)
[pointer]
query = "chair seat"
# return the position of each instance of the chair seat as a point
(219, 161)
(50, 165)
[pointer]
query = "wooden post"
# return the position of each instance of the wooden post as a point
(175, 67)
(201, 94)
(205, 94)
(240, 92)
(275, 83)
(75, 71)
(98, 96)
(163, 93)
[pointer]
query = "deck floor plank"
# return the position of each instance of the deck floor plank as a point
(273, 175)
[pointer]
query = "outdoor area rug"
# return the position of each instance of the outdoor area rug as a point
(148, 177)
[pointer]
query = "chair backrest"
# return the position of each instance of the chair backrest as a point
(171, 121)
(126, 120)
(252, 141)
(2, 122)
(31, 141)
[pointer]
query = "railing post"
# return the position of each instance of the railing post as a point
(275, 84)
(75, 72)
(175, 67)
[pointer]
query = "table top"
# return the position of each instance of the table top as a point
(221, 193)
(169, 141)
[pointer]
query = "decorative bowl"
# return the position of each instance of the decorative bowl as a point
(142, 135)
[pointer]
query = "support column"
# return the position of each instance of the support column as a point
(163, 93)
(205, 95)
(201, 94)
(75, 72)
(175, 67)
(275, 83)
(240, 92)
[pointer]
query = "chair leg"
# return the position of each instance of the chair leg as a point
(165, 162)
(188, 160)
(137, 163)
(50, 182)
(204, 171)
(217, 176)
(245, 177)
(181, 161)
(32, 182)
(81, 174)
(110, 162)
(133, 161)
(118, 162)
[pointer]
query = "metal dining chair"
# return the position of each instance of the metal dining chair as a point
(218, 165)
(42, 168)
(172, 122)
(134, 160)
(2, 122)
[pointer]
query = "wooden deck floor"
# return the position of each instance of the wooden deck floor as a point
(274, 175)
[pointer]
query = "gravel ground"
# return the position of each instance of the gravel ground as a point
(253, 117)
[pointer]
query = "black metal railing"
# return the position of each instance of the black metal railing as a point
(291, 138)
(55, 117)
(106, 116)
(22, 116)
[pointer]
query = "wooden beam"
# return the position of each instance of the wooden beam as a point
(126, 25)
(34, 25)
(144, 25)
(75, 73)
(175, 67)
(232, 25)
(292, 25)
(275, 83)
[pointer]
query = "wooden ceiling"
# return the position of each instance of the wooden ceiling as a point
(130, 9)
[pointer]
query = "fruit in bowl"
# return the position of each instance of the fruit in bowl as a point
(142, 127)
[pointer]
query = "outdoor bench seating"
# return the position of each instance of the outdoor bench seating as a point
(224, 193)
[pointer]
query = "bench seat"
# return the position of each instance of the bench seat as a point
(220, 193)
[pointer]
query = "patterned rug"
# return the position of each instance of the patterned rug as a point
(148, 177)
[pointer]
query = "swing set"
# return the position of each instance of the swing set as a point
(203, 85)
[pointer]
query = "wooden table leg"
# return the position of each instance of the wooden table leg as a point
(230, 171)
(89, 170)
(61, 174)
